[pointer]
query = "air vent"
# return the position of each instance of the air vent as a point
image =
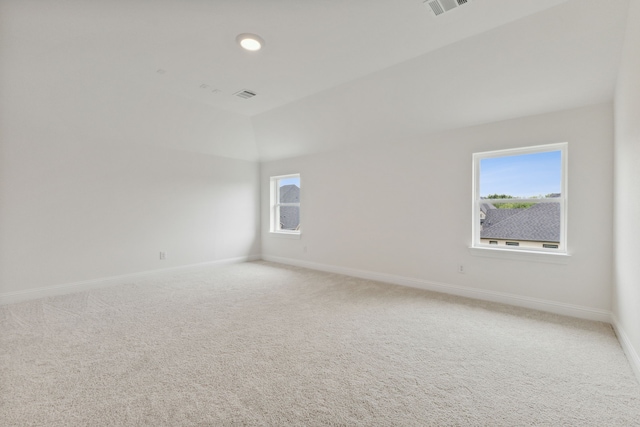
(437, 9)
(447, 5)
(245, 94)
(441, 6)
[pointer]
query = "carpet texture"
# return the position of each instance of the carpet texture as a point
(264, 344)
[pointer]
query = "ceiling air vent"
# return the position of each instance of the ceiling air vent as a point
(441, 6)
(245, 94)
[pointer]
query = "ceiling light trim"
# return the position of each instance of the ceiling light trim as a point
(250, 42)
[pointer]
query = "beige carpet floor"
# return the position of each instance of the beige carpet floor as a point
(265, 344)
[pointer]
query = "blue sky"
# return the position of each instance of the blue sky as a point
(524, 175)
(287, 181)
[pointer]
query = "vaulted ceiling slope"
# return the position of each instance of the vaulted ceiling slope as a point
(164, 72)
(560, 58)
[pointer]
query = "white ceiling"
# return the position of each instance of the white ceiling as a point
(332, 72)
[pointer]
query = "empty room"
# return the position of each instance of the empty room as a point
(296, 213)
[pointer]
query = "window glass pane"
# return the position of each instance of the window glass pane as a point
(289, 218)
(536, 175)
(534, 225)
(289, 190)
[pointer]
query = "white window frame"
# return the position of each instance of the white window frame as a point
(274, 216)
(562, 200)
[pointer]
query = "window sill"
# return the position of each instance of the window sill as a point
(521, 255)
(284, 235)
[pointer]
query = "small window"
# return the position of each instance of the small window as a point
(285, 204)
(520, 197)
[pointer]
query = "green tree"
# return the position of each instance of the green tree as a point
(514, 205)
(499, 196)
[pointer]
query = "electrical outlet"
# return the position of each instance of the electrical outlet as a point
(461, 269)
(163, 255)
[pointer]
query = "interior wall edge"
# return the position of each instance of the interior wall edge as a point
(627, 346)
(86, 285)
(554, 307)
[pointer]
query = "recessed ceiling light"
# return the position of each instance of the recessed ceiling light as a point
(250, 42)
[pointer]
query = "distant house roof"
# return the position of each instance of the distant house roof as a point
(290, 194)
(540, 222)
(484, 207)
(494, 215)
(289, 215)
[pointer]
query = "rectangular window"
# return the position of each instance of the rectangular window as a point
(285, 204)
(520, 197)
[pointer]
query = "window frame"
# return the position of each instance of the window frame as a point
(275, 205)
(562, 200)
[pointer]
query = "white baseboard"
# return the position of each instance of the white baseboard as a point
(67, 288)
(625, 342)
(486, 295)
(500, 297)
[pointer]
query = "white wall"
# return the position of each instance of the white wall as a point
(404, 208)
(626, 296)
(99, 173)
(74, 209)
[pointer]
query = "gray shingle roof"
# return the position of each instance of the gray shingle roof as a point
(484, 207)
(495, 215)
(289, 194)
(540, 222)
(289, 215)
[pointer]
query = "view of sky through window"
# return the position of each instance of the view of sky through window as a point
(287, 181)
(522, 176)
